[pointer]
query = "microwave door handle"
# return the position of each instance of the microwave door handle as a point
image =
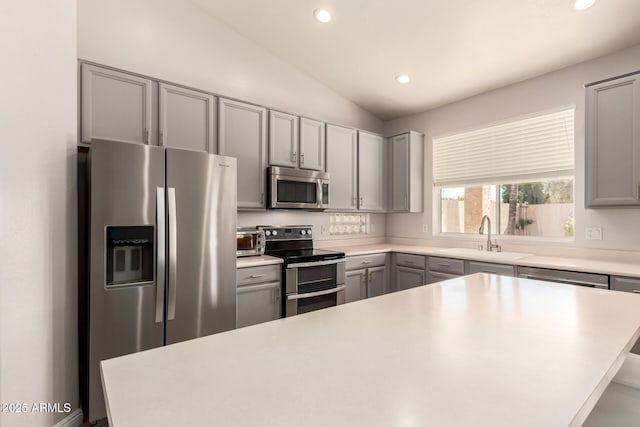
(319, 193)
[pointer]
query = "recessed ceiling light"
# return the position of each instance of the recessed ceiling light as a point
(403, 79)
(582, 4)
(322, 15)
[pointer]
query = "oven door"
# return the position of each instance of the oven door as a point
(314, 286)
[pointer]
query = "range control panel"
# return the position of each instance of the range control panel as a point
(291, 232)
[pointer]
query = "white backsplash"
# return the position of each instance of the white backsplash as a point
(318, 220)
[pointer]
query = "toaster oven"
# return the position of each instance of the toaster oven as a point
(249, 241)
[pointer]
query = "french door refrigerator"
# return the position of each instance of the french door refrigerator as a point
(162, 238)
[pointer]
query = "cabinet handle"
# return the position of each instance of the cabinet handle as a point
(162, 139)
(353, 201)
(262, 198)
(638, 191)
(636, 291)
(361, 201)
(146, 136)
(366, 262)
(255, 276)
(293, 157)
(302, 158)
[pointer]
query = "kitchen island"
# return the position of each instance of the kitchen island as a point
(479, 350)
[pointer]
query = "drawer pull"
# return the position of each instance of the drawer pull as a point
(488, 271)
(636, 291)
(409, 262)
(441, 264)
(256, 276)
(366, 262)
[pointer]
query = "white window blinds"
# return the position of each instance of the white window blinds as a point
(520, 150)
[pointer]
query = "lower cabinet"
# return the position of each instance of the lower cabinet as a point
(366, 277)
(258, 293)
(408, 277)
(435, 276)
(627, 284)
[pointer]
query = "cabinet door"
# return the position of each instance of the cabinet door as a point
(283, 139)
(400, 173)
(115, 106)
(311, 144)
(407, 278)
(257, 304)
(342, 151)
(439, 277)
(613, 143)
(356, 285)
(187, 119)
(371, 172)
(242, 134)
(376, 282)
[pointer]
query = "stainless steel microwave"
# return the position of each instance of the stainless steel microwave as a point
(298, 189)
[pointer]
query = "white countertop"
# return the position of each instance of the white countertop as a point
(558, 263)
(255, 261)
(479, 350)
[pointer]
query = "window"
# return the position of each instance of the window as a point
(519, 173)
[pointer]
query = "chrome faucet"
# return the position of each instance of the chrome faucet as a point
(490, 246)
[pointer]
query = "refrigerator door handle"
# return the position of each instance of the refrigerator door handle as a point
(162, 252)
(173, 254)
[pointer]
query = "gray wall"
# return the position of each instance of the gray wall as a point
(621, 228)
(38, 339)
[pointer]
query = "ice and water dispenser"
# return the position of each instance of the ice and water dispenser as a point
(130, 255)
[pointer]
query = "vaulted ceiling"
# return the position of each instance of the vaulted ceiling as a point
(451, 49)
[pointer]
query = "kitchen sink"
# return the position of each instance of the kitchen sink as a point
(477, 253)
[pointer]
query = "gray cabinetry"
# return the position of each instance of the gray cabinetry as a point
(356, 285)
(407, 172)
(283, 139)
(409, 270)
(444, 268)
(187, 119)
(407, 277)
(366, 276)
(312, 143)
(242, 134)
(371, 172)
(613, 143)
(342, 165)
(627, 284)
(486, 267)
(115, 106)
(258, 295)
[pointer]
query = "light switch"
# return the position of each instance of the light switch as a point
(593, 233)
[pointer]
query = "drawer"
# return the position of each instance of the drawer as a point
(446, 265)
(626, 284)
(365, 261)
(251, 275)
(486, 267)
(413, 261)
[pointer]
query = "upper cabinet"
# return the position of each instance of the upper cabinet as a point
(407, 172)
(311, 144)
(372, 175)
(116, 106)
(342, 165)
(242, 134)
(613, 143)
(283, 139)
(296, 142)
(187, 119)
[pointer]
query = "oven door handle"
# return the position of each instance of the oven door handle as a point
(317, 294)
(315, 263)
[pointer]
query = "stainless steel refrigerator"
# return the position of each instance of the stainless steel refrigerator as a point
(162, 238)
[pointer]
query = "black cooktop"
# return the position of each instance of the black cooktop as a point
(307, 255)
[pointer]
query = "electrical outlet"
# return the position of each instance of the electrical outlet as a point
(593, 233)
(425, 228)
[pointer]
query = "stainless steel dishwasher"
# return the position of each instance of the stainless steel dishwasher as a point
(591, 280)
